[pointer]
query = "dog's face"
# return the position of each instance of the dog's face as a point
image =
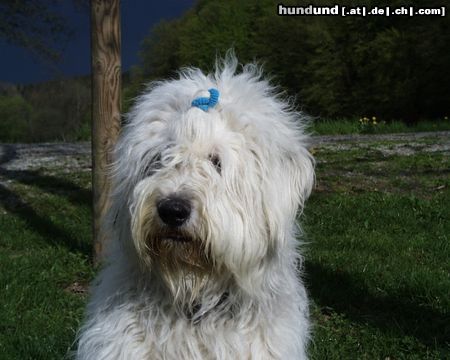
(210, 194)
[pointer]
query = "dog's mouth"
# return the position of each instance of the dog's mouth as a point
(175, 237)
(175, 250)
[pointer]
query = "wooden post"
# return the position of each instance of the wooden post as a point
(106, 87)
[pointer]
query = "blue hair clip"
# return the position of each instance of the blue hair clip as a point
(205, 103)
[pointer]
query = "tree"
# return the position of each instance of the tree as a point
(106, 86)
(33, 24)
(15, 114)
(389, 67)
(36, 25)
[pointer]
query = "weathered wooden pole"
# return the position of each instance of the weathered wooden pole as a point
(106, 88)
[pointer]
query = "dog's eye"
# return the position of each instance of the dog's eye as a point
(215, 160)
(153, 165)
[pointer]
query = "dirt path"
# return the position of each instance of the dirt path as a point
(17, 157)
(388, 144)
(399, 137)
(76, 156)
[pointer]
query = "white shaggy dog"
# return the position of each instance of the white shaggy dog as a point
(203, 260)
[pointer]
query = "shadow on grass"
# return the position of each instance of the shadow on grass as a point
(43, 226)
(399, 314)
(7, 153)
(14, 204)
(51, 184)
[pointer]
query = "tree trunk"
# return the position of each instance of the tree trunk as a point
(106, 87)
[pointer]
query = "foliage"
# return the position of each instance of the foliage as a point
(62, 107)
(367, 125)
(395, 67)
(163, 41)
(15, 115)
(36, 25)
(337, 68)
(56, 110)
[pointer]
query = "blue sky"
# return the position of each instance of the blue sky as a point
(18, 65)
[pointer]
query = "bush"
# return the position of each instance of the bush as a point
(395, 67)
(15, 116)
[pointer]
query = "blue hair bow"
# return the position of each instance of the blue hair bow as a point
(205, 103)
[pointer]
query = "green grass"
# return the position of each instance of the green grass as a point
(348, 126)
(376, 262)
(44, 248)
(377, 269)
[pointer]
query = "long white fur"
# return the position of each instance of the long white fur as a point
(252, 303)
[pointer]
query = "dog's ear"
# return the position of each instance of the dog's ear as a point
(286, 188)
(299, 171)
(294, 179)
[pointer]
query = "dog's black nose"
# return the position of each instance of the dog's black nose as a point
(174, 211)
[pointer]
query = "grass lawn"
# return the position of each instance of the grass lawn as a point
(348, 126)
(44, 250)
(376, 263)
